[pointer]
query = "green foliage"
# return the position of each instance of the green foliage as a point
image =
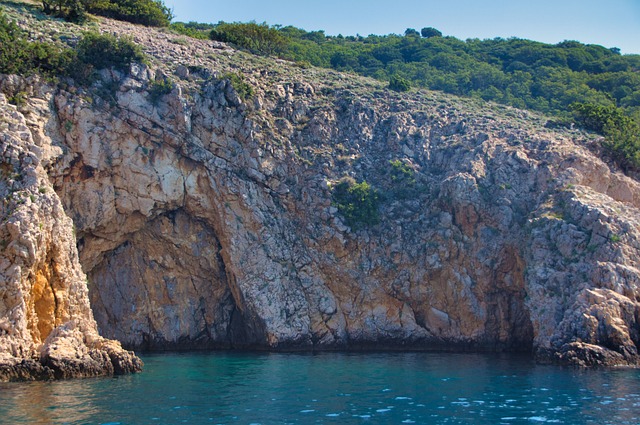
(18, 99)
(159, 88)
(244, 90)
(192, 29)
(401, 173)
(599, 118)
(257, 38)
(105, 51)
(411, 32)
(94, 51)
(356, 202)
(430, 32)
(19, 56)
(71, 10)
(146, 12)
(621, 132)
(403, 180)
(521, 73)
(399, 84)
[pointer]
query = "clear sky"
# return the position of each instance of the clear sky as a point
(611, 23)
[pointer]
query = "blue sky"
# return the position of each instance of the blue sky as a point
(611, 23)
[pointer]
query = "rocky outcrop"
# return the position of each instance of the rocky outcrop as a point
(47, 329)
(205, 220)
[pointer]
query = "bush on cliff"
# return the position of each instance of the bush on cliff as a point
(151, 13)
(622, 133)
(257, 38)
(403, 180)
(192, 29)
(244, 90)
(146, 12)
(95, 51)
(159, 88)
(106, 51)
(22, 57)
(399, 84)
(356, 202)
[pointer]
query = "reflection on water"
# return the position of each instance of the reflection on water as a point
(47, 403)
(332, 388)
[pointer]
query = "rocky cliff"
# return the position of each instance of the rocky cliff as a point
(205, 219)
(46, 326)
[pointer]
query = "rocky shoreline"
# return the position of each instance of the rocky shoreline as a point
(204, 219)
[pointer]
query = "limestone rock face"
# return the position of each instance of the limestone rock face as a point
(47, 328)
(205, 220)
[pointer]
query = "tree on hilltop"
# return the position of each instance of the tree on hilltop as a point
(411, 32)
(429, 32)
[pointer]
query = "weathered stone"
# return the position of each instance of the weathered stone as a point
(47, 329)
(204, 222)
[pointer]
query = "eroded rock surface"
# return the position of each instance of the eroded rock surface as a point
(47, 329)
(205, 220)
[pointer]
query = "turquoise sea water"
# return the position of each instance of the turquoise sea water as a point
(332, 388)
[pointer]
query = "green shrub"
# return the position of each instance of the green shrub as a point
(146, 12)
(401, 173)
(18, 99)
(151, 13)
(19, 56)
(71, 10)
(94, 51)
(106, 51)
(622, 133)
(244, 90)
(598, 117)
(190, 30)
(356, 202)
(403, 179)
(399, 84)
(257, 38)
(159, 88)
(430, 32)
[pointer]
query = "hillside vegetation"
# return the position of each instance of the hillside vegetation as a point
(521, 73)
(592, 86)
(146, 12)
(19, 55)
(569, 80)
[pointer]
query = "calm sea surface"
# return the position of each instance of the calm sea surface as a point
(332, 388)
